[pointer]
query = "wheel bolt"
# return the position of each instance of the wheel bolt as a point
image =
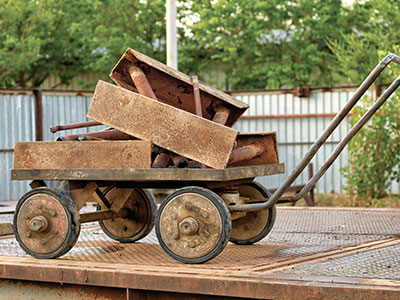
(53, 213)
(43, 242)
(246, 227)
(175, 236)
(28, 235)
(192, 244)
(206, 234)
(205, 214)
(188, 206)
(173, 216)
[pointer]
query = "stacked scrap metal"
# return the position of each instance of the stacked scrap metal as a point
(158, 117)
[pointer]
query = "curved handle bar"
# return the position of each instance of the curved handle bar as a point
(325, 135)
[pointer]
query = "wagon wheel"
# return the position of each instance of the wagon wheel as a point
(256, 224)
(193, 225)
(46, 223)
(137, 223)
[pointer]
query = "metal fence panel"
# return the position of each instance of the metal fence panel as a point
(17, 123)
(64, 108)
(298, 127)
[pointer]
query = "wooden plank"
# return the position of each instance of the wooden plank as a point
(88, 154)
(166, 126)
(143, 175)
(175, 88)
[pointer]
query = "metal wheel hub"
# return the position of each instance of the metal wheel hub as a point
(190, 225)
(42, 223)
(38, 224)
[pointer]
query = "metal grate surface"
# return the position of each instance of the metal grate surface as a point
(297, 233)
(381, 263)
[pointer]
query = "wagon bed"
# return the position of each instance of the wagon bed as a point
(148, 175)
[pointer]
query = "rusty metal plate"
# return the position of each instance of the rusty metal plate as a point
(190, 225)
(267, 141)
(170, 128)
(176, 88)
(154, 175)
(77, 155)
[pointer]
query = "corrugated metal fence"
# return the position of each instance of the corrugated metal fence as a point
(298, 122)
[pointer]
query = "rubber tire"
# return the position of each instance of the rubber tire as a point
(271, 217)
(149, 227)
(225, 218)
(73, 219)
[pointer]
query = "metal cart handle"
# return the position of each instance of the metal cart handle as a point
(325, 135)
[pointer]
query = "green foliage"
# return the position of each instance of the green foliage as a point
(376, 34)
(68, 37)
(266, 44)
(43, 37)
(375, 151)
(126, 24)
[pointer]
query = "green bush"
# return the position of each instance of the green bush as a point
(374, 153)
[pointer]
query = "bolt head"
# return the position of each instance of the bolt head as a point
(206, 234)
(173, 216)
(192, 244)
(53, 213)
(28, 235)
(188, 206)
(175, 236)
(43, 242)
(205, 214)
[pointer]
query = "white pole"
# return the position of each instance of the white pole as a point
(172, 48)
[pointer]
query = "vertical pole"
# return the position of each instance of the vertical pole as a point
(39, 114)
(172, 48)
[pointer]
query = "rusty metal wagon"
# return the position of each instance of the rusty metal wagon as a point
(193, 224)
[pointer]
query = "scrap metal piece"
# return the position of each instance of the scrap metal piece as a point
(256, 148)
(175, 88)
(161, 160)
(54, 129)
(111, 134)
(166, 126)
(196, 93)
(142, 84)
(221, 115)
(75, 155)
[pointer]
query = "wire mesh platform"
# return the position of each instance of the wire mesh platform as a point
(310, 253)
